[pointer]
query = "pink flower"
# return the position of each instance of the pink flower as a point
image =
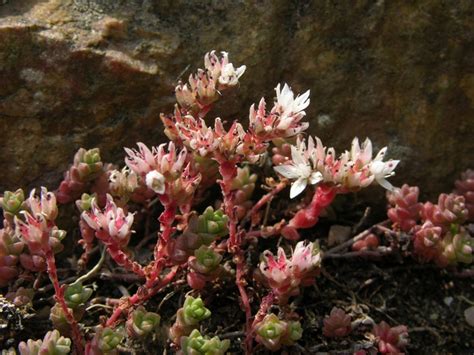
(306, 257)
(350, 172)
(166, 171)
(34, 231)
(45, 205)
(284, 120)
(285, 275)
(204, 87)
(112, 222)
(391, 340)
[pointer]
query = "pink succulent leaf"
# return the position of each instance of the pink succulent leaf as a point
(337, 324)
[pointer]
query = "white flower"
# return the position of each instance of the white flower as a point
(382, 170)
(353, 170)
(306, 257)
(222, 71)
(46, 205)
(299, 169)
(156, 181)
(291, 109)
(230, 76)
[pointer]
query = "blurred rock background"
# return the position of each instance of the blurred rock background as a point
(86, 73)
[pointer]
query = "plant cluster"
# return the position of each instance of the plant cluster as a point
(213, 246)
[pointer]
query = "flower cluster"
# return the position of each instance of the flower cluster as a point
(167, 172)
(284, 119)
(312, 163)
(209, 248)
(111, 225)
(122, 184)
(36, 228)
(204, 87)
(284, 276)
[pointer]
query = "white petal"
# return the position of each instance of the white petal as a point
(297, 157)
(298, 187)
(385, 184)
(288, 171)
(381, 154)
(315, 177)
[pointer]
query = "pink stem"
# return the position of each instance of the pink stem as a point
(309, 216)
(143, 294)
(116, 252)
(266, 303)
(59, 296)
(166, 222)
(228, 172)
(266, 198)
(123, 260)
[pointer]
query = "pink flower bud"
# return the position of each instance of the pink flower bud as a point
(391, 340)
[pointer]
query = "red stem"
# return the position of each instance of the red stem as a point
(308, 217)
(266, 198)
(228, 172)
(59, 296)
(166, 223)
(143, 293)
(123, 260)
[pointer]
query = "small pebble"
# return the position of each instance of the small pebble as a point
(469, 315)
(448, 301)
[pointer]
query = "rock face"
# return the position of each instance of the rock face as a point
(85, 73)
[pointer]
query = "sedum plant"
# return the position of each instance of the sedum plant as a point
(285, 276)
(141, 323)
(337, 324)
(196, 344)
(105, 341)
(174, 178)
(52, 344)
(273, 332)
(390, 340)
(188, 317)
